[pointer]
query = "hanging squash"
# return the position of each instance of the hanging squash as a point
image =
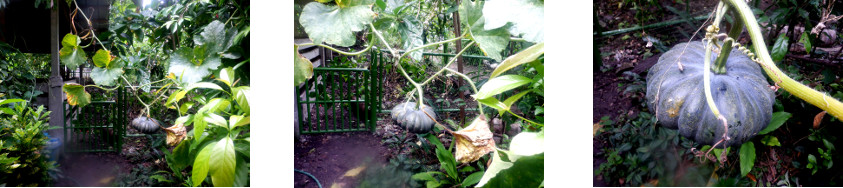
(415, 121)
(676, 94)
(145, 124)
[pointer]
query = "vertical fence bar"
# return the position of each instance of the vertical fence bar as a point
(317, 105)
(298, 105)
(335, 96)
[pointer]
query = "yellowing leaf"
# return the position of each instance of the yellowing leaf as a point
(175, 134)
(474, 141)
(76, 94)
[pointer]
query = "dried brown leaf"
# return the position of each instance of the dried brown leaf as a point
(474, 141)
(175, 134)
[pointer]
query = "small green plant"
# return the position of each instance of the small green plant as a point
(453, 177)
(22, 139)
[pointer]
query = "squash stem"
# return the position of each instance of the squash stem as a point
(734, 32)
(816, 98)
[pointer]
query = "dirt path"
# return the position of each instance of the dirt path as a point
(331, 155)
(91, 169)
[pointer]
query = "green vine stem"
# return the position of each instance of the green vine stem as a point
(710, 41)
(816, 98)
(473, 87)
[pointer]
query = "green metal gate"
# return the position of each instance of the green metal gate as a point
(340, 99)
(97, 127)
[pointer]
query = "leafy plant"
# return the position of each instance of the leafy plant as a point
(22, 139)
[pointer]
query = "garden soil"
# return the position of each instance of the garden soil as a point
(331, 156)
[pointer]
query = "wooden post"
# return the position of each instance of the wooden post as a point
(55, 94)
(459, 63)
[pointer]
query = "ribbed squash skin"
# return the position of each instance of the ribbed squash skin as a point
(411, 119)
(145, 125)
(677, 97)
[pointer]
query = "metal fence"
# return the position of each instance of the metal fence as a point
(98, 127)
(340, 99)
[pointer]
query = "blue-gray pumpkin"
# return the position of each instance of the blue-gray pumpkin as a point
(742, 95)
(146, 125)
(412, 119)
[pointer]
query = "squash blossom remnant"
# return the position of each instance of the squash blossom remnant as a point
(474, 141)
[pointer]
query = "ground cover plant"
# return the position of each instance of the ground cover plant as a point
(488, 26)
(792, 145)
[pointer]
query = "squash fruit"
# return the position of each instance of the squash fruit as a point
(412, 119)
(146, 125)
(742, 95)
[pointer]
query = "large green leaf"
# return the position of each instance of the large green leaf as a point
(76, 94)
(335, 24)
(511, 170)
(779, 48)
(526, 56)
(526, 16)
(777, 121)
(223, 163)
(302, 69)
(411, 35)
(107, 76)
(216, 38)
(806, 41)
(491, 42)
(215, 105)
(7, 101)
(200, 164)
(747, 157)
(494, 103)
(500, 84)
(241, 96)
(190, 65)
(71, 54)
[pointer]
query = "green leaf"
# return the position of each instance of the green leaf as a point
(526, 16)
(747, 157)
(806, 41)
(527, 143)
(717, 152)
(770, 141)
(217, 120)
(512, 99)
(186, 106)
(526, 56)
(424, 176)
(206, 85)
(71, 54)
(241, 178)
(215, 38)
(107, 76)
(76, 94)
(214, 105)
(303, 68)
(199, 124)
(519, 171)
(334, 24)
(777, 121)
(411, 35)
(227, 76)
(236, 121)
(472, 179)
(175, 97)
(102, 58)
(159, 178)
(494, 103)
(242, 147)
(241, 96)
(381, 4)
(183, 66)
(201, 165)
(7, 101)
(492, 41)
(501, 84)
(828, 145)
(223, 163)
(447, 161)
(779, 48)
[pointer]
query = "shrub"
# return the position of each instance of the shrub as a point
(22, 138)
